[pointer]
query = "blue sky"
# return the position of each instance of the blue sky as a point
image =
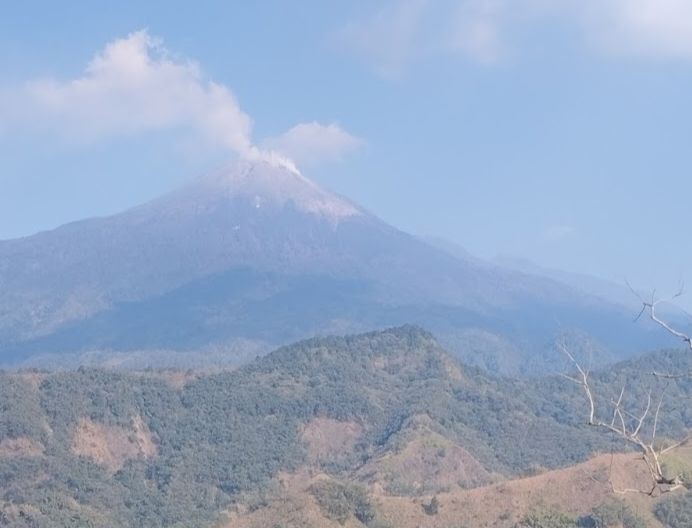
(558, 131)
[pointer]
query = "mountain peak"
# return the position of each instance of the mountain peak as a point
(275, 182)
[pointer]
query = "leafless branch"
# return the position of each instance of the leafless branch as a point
(676, 445)
(630, 427)
(666, 375)
(658, 410)
(650, 305)
(643, 416)
(583, 381)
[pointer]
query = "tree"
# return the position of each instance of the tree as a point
(433, 507)
(638, 428)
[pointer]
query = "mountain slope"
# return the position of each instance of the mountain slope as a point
(604, 289)
(119, 449)
(388, 416)
(257, 255)
(576, 495)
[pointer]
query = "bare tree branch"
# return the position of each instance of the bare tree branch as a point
(632, 426)
(584, 382)
(643, 416)
(651, 305)
(658, 410)
(631, 434)
(672, 376)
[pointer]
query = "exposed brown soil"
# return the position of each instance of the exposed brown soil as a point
(175, 378)
(292, 506)
(112, 446)
(32, 378)
(575, 490)
(20, 447)
(427, 463)
(327, 439)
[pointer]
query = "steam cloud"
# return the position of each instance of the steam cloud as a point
(134, 85)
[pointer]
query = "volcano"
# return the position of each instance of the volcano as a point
(256, 255)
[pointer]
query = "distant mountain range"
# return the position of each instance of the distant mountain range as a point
(257, 255)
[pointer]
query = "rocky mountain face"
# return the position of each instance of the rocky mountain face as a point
(257, 255)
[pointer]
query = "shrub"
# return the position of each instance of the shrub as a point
(341, 501)
(675, 512)
(433, 507)
(547, 518)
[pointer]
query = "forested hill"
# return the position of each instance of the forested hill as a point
(389, 410)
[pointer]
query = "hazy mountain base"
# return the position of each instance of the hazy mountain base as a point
(388, 418)
(190, 328)
(224, 356)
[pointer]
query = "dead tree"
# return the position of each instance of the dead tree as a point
(638, 429)
(649, 306)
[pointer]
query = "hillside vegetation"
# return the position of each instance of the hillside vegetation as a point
(346, 426)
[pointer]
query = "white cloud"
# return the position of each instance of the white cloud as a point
(135, 86)
(484, 30)
(310, 144)
(477, 32)
(645, 28)
(392, 37)
(388, 39)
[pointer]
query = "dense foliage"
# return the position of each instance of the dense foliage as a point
(610, 514)
(547, 518)
(675, 512)
(225, 434)
(343, 501)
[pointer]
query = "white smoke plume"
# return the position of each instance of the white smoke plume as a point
(136, 86)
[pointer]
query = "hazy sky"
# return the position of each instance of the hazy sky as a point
(559, 131)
